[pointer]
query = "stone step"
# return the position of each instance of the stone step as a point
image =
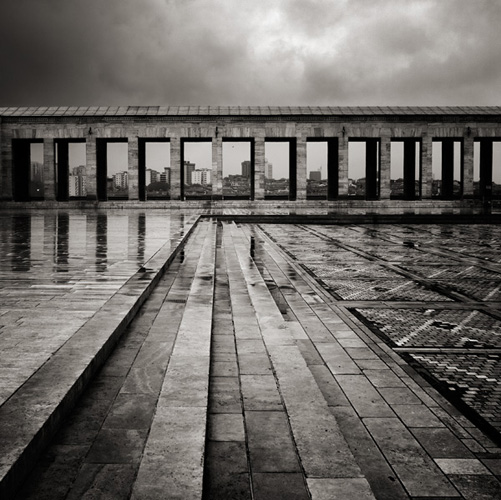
(314, 429)
(32, 415)
(173, 460)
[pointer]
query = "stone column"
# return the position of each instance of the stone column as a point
(133, 168)
(343, 164)
(91, 168)
(4, 189)
(49, 170)
(447, 190)
(301, 171)
(259, 168)
(385, 168)
(175, 168)
(6, 184)
(217, 168)
(426, 171)
(468, 165)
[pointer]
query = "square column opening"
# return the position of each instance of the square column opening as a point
(27, 169)
(405, 169)
(280, 169)
(487, 168)
(363, 168)
(196, 171)
(238, 169)
(322, 168)
(447, 168)
(112, 167)
(70, 160)
(154, 171)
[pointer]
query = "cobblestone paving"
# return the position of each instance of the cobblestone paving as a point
(435, 327)
(474, 377)
(449, 279)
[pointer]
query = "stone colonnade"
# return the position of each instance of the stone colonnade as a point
(257, 129)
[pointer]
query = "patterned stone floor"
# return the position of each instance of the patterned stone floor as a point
(432, 292)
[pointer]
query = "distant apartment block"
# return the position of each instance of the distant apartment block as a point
(246, 168)
(189, 168)
(201, 176)
(152, 176)
(316, 175)
(121, 180)
(268, 169)
(165, 176)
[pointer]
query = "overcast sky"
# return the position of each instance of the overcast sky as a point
(250, 52)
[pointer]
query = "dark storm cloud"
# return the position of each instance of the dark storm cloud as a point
(115, 52)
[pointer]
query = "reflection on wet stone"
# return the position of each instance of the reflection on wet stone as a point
(101, 242)
(21, 243)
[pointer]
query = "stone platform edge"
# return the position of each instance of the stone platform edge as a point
(34, 413)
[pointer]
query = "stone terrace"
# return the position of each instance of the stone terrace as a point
(266, 363)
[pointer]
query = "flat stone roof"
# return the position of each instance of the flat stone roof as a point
(68, 111)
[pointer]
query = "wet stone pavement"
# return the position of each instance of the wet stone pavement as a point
(431, 292)
(276, 361)
(58, 269)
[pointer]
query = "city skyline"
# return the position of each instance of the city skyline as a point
(316, 158)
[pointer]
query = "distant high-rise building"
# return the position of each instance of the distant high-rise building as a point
(268, 169)
(201, 176)
(76, 181)
(188, 171)
(76, 185)
(121, 180)
(165, 177)
(80, 170)
(151, 176)
(246, 168)
(36, 172)
(315, 175)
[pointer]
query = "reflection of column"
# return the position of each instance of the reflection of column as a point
(49, 170)
(37, 237)
(385, 168)
(468, 165)
(49, 241)
(343, 164)
(301, 168)
(101, 243)
(175, 168)
(426, 170)
(132, 235)
(91, 238)
(62, 245)
(217, 167)
(141, 236)
(133, 177)
(259, 168)
(91, 169)
(21, 243)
